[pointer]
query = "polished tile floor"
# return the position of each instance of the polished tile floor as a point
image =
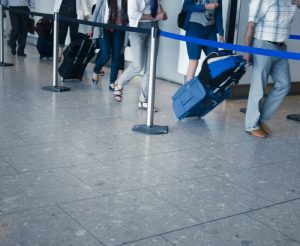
(72, 172)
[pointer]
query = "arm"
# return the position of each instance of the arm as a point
(190, 6)
(94, 18)
(219, 20)
(249, 39)
(84, 9)
(257, 10)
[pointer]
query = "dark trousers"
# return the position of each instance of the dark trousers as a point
(63, 26)
(110, 46)
(19, 28)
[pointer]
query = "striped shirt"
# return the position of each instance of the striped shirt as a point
(273, 19)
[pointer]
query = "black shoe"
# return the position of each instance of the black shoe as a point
(13, 52)
(22, 54)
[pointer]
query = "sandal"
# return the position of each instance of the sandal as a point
(144, 106)
(95, 81)
(118, 93)
(111, 87)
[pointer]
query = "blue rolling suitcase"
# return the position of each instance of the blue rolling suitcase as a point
(203, 93)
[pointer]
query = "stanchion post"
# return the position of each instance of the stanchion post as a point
(2, 63)
(55, 87)
(149, 128)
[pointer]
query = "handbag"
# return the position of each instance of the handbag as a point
(30, 27)
(181, 18)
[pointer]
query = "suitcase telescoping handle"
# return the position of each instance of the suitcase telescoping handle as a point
(231, 79)
(89, 51)
(79, 52)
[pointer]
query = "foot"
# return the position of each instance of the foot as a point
(22, 54)
(95, 78)
(259, 133)
(118, 92)
(13, 52)
(111, 86)
(101, 73)
(144, 106)
(265, 127)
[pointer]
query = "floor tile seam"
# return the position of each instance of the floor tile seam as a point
(17, 136)
(42, 170)
(178, 181)
(271, 227)
(78, 222)
(163, 171)
(146, 238)
(38, 144)
(24, 210)
(174, 206)
(254, 167)
(9, 165)
(246, 189)
(211, 221)
(101, 195)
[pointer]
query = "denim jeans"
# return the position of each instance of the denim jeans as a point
(259, 110)
(110, 46)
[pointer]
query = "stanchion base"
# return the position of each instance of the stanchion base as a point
(150, 130)
(5, 64)
(55, 88)
(243, 110)
(295, 117)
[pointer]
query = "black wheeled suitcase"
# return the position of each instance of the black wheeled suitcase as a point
(213, 85)
(44, 29)
(76, 57)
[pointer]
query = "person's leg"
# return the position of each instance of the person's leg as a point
(14, 20)
(138, 54)
(194, 50)
(23, 23)
(192, 67)
(136, 66)
(261, 70)
(211, 35)
(63, 30)
(103, 57)
(117, 43)
(73, 29)
(282, 81)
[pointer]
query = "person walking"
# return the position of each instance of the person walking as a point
(269, 25)
(204, 20)
(142, 14)
(72, 9)
(110, 41)
(19, 24)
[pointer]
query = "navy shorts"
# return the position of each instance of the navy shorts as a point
(198, 31)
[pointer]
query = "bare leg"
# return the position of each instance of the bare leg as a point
(193, 64)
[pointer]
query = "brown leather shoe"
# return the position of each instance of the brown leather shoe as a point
(259, 133)
(265, 127)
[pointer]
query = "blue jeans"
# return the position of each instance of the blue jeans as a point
(110, 45)
(259, 110)
(198, 31)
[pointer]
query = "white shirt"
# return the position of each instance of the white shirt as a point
(273, 19)
(136, 8)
